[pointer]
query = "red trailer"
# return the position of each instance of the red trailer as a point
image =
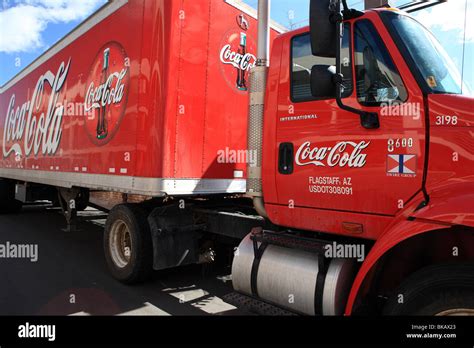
(357, 151)
(144, 97)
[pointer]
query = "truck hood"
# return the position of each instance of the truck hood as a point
(452, 105)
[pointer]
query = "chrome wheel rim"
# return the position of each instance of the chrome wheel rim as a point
(120, 244)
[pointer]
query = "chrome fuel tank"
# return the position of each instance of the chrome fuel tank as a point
(288, 278)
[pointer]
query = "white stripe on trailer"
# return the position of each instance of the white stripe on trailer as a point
(155, 187)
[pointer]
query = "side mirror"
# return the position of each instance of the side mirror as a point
(322, 82)
(322, 28)
(325, 31)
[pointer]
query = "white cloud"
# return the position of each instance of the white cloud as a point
(22, 24)
(450, 17)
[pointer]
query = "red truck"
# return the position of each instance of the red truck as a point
(343, 162)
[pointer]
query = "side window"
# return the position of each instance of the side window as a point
(377, 78)
(303, 60)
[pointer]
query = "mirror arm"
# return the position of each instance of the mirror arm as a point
(350, 13)
(368, 120)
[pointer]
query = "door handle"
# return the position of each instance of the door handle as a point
(285, 158)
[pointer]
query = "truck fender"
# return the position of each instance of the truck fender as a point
(394, 235)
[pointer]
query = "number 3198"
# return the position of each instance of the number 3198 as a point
(446, 120)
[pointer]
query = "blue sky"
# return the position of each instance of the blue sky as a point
(29, 27)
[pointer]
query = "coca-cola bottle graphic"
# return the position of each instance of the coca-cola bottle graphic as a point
(102, 130)
(241, 82)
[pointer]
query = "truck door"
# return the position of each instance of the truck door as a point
(338, 164)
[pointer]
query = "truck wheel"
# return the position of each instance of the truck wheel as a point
(127, 244)
(445, 289)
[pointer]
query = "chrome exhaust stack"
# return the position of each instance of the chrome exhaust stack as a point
(258, 83)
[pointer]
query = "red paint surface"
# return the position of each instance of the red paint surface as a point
(181, 105)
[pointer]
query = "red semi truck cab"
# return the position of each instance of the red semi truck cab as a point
(402, 185)
(345, 179)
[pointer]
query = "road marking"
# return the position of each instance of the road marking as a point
(79, 314)
(200, 299)
(189, 295)
(213, 305)
(147, 309)
(225, 279)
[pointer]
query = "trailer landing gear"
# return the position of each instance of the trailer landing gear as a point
(71, 201)
(67, 201)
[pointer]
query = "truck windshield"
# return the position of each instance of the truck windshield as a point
(435, 66)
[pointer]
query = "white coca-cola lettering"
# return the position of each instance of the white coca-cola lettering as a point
(345, 153)
(239, 61)
(43, 132)
(105, 94)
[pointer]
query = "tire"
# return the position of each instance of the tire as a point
(8, 203)
(136, 267)
(445, 289)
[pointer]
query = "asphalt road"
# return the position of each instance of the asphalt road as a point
(70, 276)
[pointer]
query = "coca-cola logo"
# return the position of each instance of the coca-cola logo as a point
(237, 58)
(106, 93)
(36, 126)
(111, 92)
(344, 153)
